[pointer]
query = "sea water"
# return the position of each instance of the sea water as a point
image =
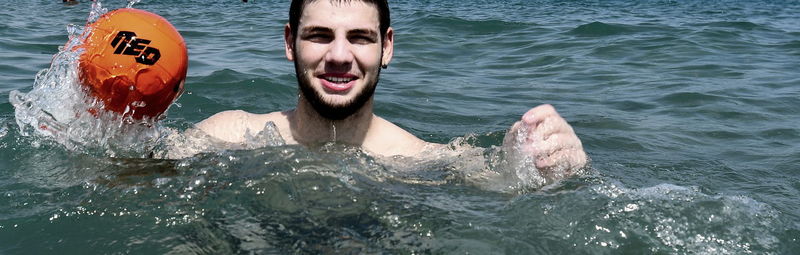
(687, 109)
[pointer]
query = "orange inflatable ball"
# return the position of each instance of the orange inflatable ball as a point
(134, 61)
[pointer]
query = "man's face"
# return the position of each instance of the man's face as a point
(338, 52)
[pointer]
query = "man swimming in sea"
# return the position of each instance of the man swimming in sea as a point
(338, 48)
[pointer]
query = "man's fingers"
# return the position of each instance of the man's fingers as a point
(553, 125)
(538, 114)
(546, 121)
(554, 144)
(566, 159)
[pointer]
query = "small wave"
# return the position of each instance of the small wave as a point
(689, 99)
(784, 134)
(457, 24)
(225, 76)
(631, 105)
(740, 25)
(191, 33)
(599, 29)
(792, 46)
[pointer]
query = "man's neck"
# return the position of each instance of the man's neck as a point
(309, 127)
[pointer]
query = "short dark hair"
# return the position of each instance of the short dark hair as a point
(296, 10)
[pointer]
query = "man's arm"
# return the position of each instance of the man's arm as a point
(228, 126)
(236, 126)
(226, 130)
(387, 139)
(539, 149)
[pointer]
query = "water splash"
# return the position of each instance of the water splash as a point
(508, 168)
(96, 11)
(523, 163)
(179, 145)
(675, 219)
(58, 108)
(3, 128)
(132, 2)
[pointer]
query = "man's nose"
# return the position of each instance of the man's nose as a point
(340, 52)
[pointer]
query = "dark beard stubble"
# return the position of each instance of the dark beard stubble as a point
(328, 110)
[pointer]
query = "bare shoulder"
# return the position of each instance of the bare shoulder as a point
(234, 126)
(387, 139)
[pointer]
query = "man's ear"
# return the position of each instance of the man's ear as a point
(388, 47)
(288, 39)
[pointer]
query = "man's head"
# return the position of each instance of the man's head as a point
(297, 7)
(338, 47)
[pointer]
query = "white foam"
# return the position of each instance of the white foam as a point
(684, 219)
(3, 128)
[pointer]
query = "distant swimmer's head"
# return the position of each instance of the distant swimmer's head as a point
(134, 61)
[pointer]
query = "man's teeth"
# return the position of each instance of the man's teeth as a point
(338, 79)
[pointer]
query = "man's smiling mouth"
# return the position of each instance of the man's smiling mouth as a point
(338, 82)
(338, 79)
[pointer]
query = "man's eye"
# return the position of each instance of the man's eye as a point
(361, 39)
(318, 38)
